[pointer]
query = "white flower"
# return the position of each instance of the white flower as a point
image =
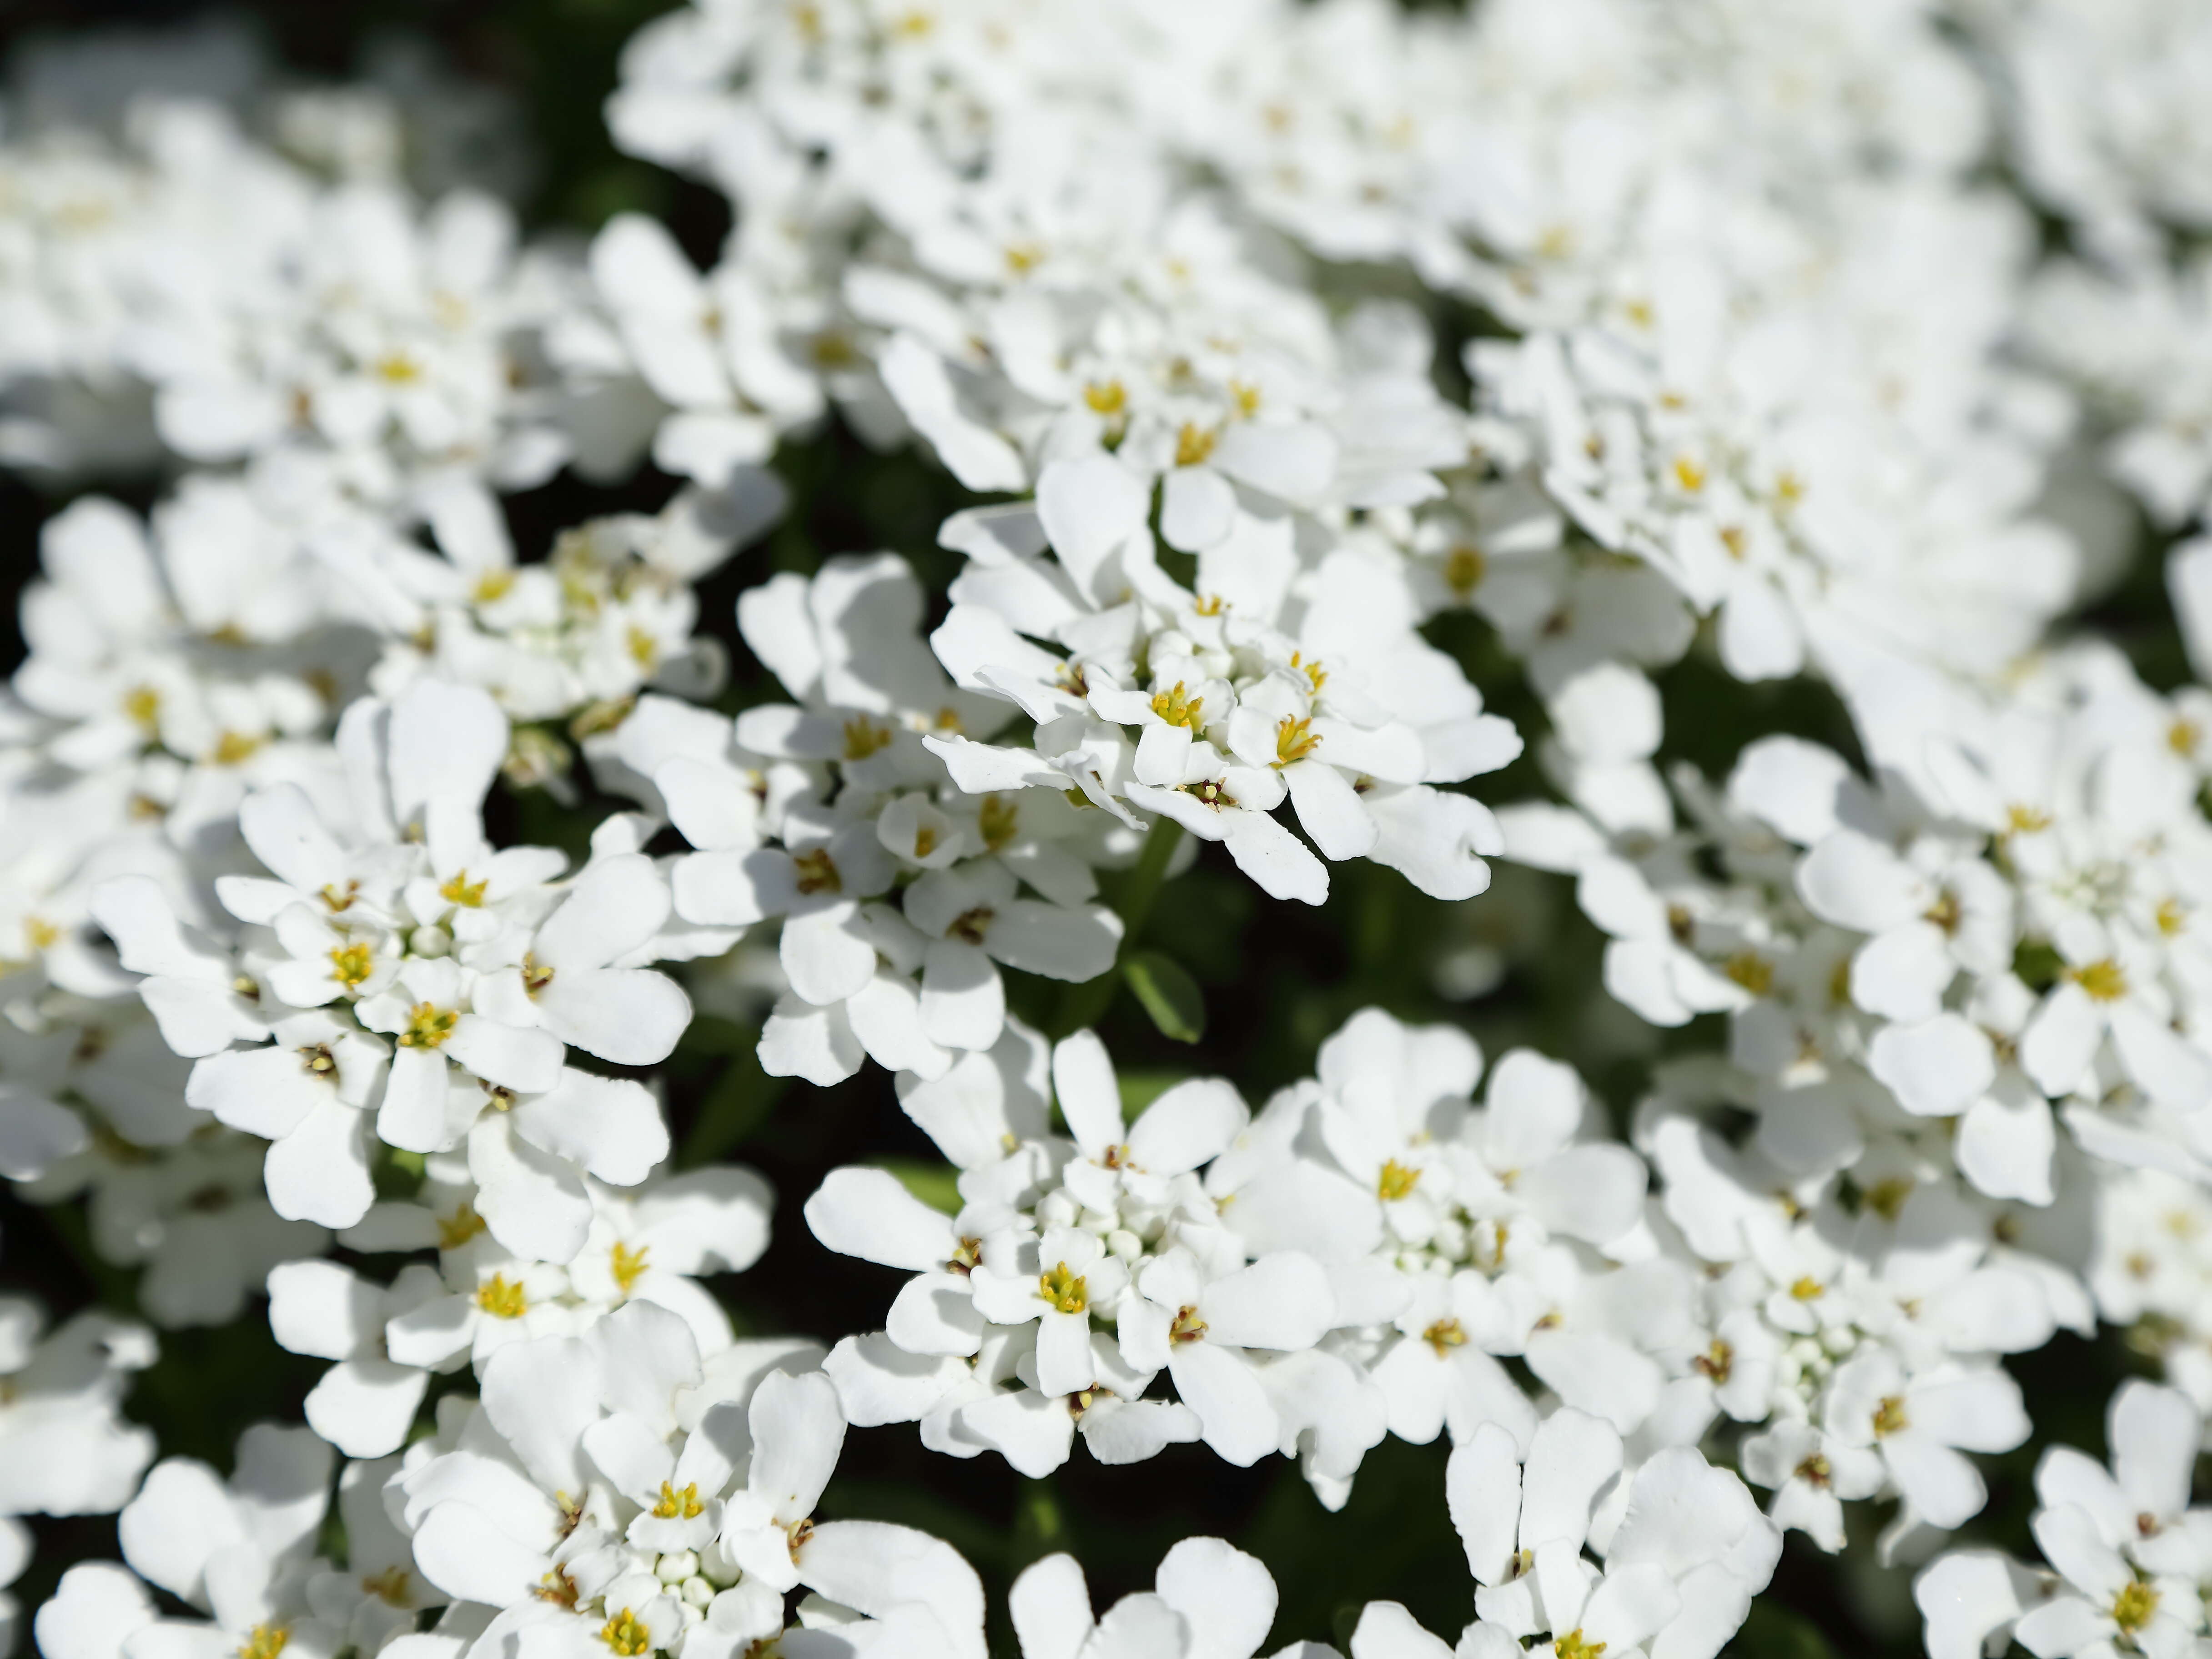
(1209, 1598)
(1921, 1425)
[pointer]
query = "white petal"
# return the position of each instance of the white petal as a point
(534, 1203)
(868, 1214)
(1936, 1068)
(611, 1127)
(630, 1016)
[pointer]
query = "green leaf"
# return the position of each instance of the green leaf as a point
(937, 1185)
(1170, 994)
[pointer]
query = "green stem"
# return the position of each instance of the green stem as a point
(1086, 1004)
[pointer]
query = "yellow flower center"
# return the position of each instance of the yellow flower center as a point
(1814, 1470)
(1396, 1181)
(1751, 970)
(996, 819)
(864, 737)
(1889, 1416)
(233, 747)
(1717, 1362)
(503, 1297)
(1064, 1290)
(1295, 740)
(458, 1228)
(429, 1026)
(2173, 916)
(1573, 1645)
(626, 1634)
(679, 1505)
(1689, 474)
(352, 964)
(1193, 445)
(1445, 1335)
(536, 976)
(1809, 1289)
(264, 1642)
(1188, 1326)
(2025, 820)
(1178, 708)
(628, 1265)
(1106, 397)
(1464, 567)
(2105, 981)
(1316, 676)
(2133, 1607)
(493, 585)
(817, 872)
(461, 891)
(389, 1586)
(142, 704)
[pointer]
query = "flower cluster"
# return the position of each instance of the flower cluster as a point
(1670, 445)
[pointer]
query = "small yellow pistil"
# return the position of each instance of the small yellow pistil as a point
(1295, 740)
(39, 933)
(972, 927)
(1209, 605)
(142, 705)
(233, 748)
(1887, 1198)
(1889, 1416)
(2133, 1606)
(676, 1505)
(1188, 1326)
(627, 1265)
(319, 1061)
(2171, 917)
(459, 890)
(1445, 1335)
(1944, 913)
(458, 1228)
(1178, 708)
(1316, 676)
(429, 1026)
(1814, 1470)
(2105, 981)
(389, 1586)
(1751, 970)
(996, 820)
(493, 585)
(264, 1642)
(626, 1634)
(1464, 567)
(1064, 1290)
(797, 1534)
(398, 368)
(1396, 1181)
(1245, 397)
(817, 872)
(352, 964)
(1574, 1645)
(1689, 474)
(1717, 1362)
(338, 900)
(2183, 737)
(536, 975)
(1023, 257)
(864, 737)
(1106, 397)
(503, 1297)
(2025, 820)
(1809, 1289)
(1737, 544)
(1193, 445)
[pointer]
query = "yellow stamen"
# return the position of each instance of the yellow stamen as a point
(429, 1026)
(1064, 1290)
(503, 1297)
